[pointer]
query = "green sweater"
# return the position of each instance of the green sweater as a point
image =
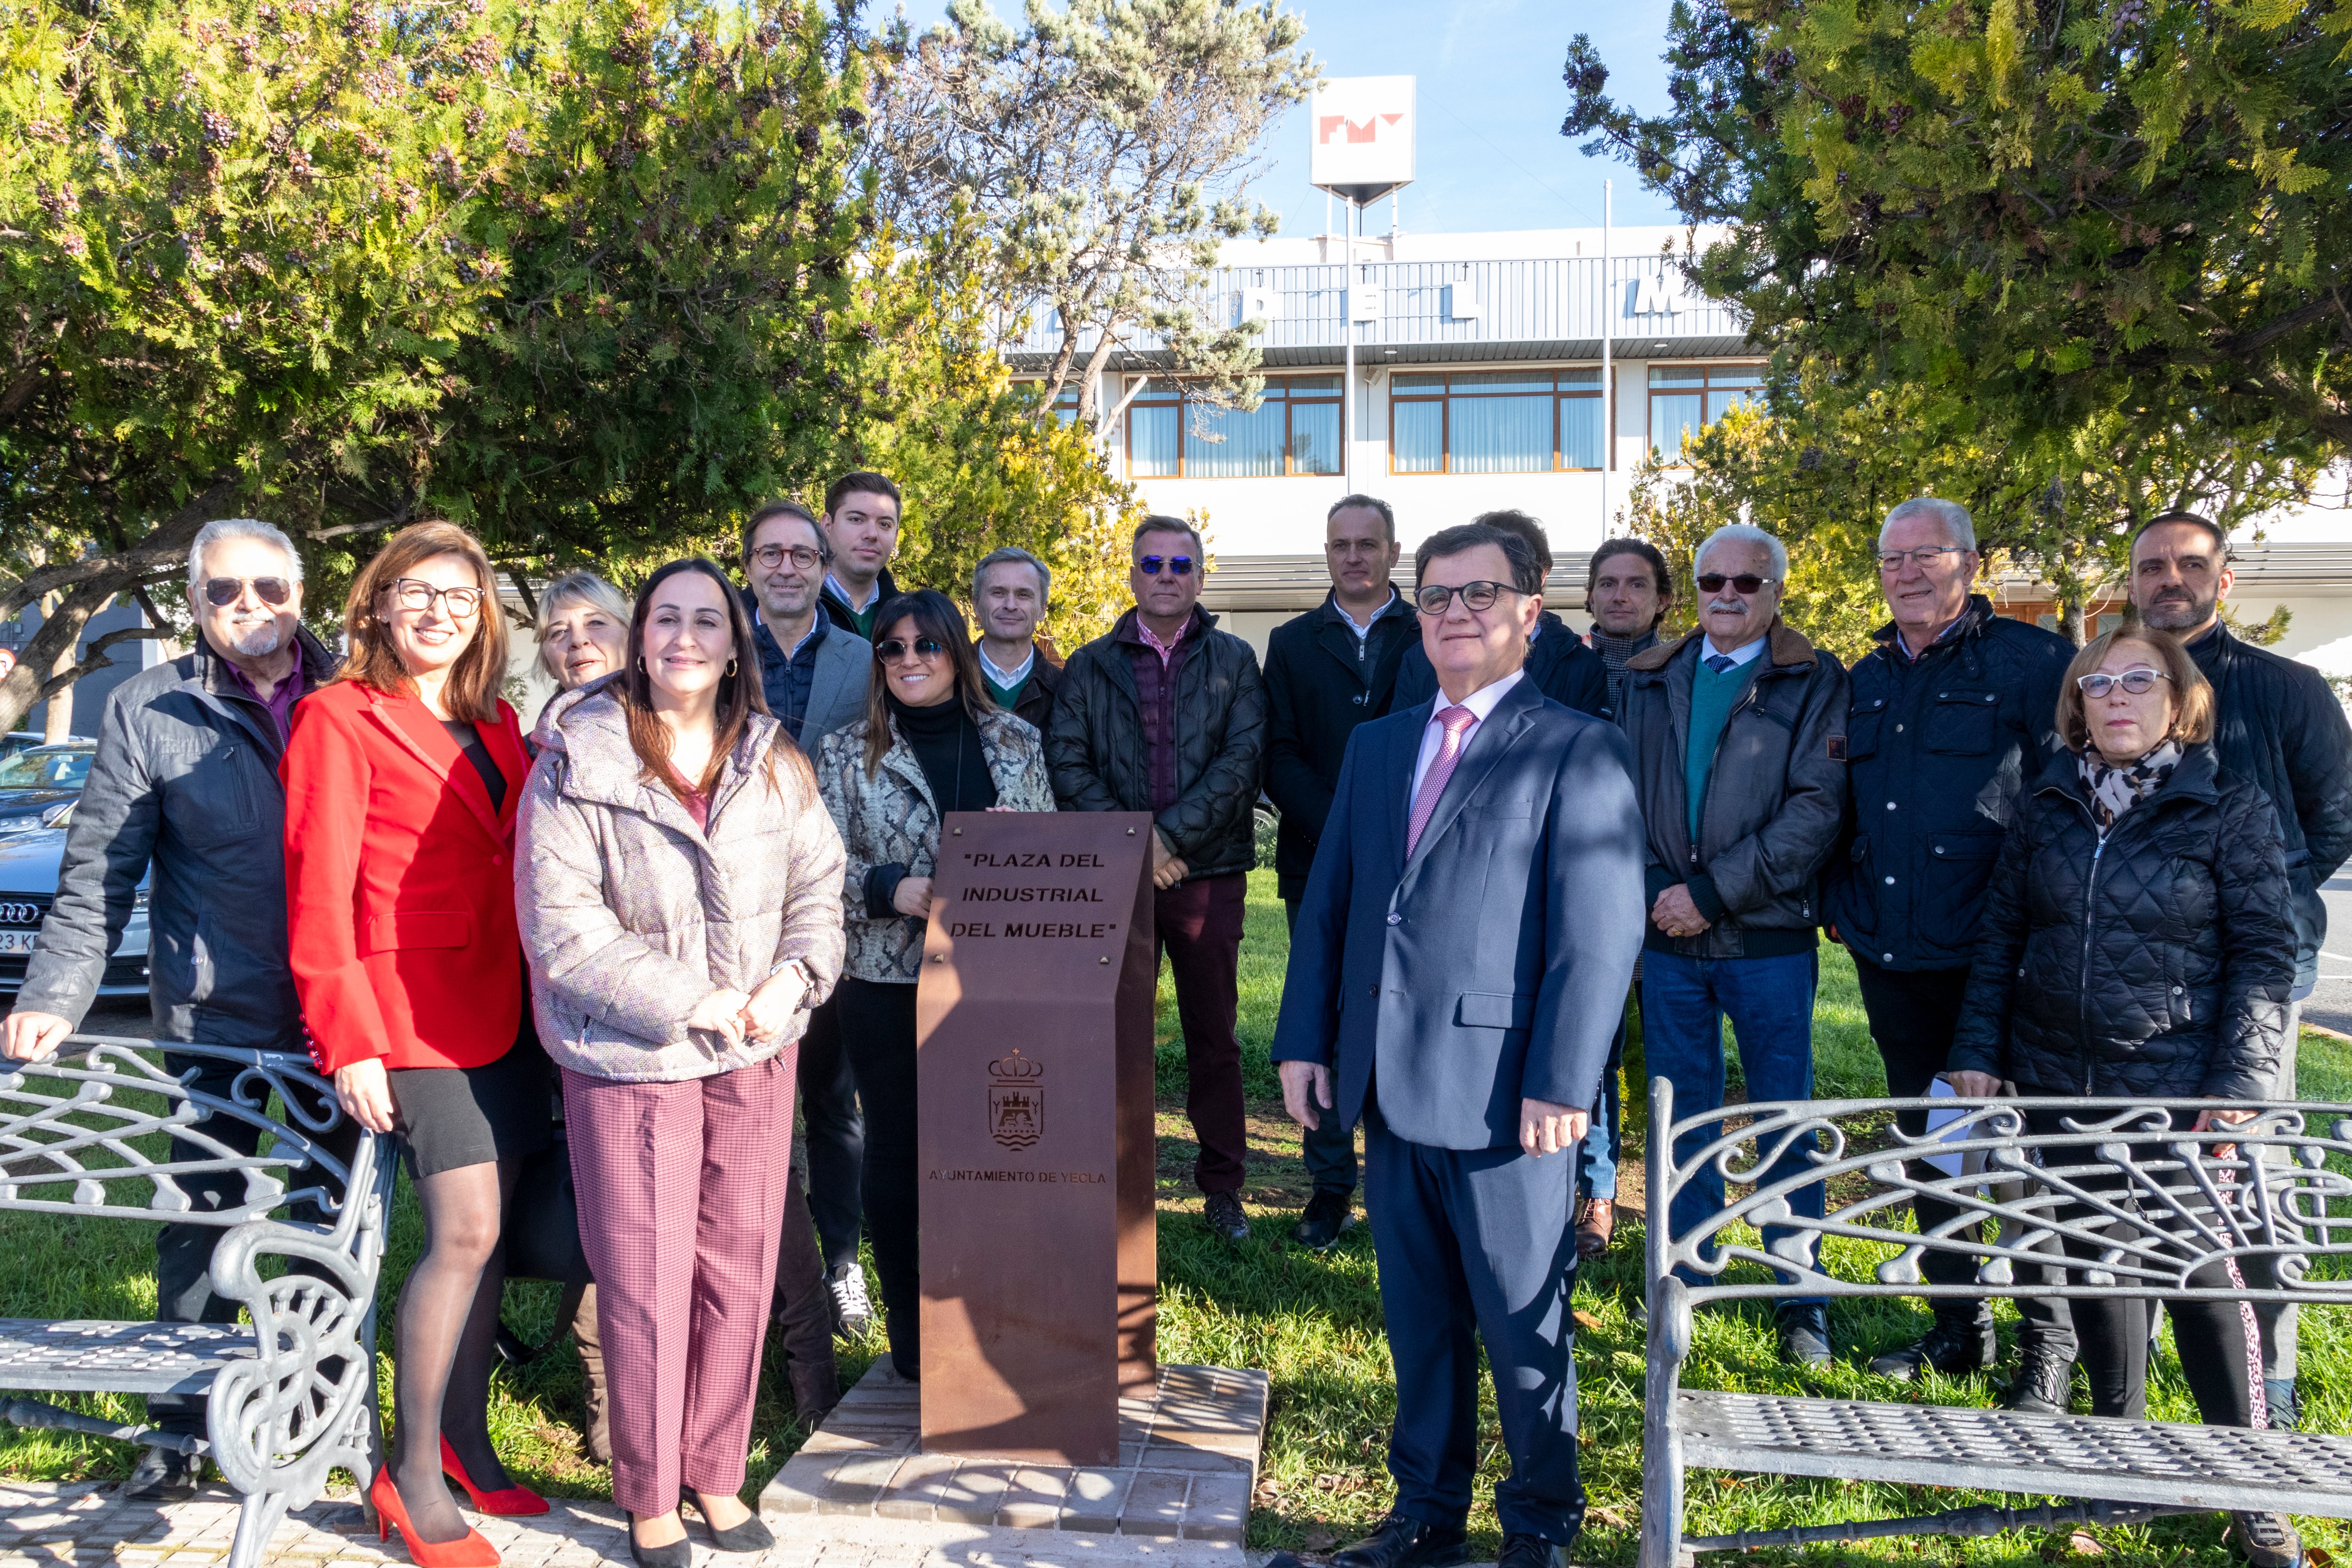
(1713, 697)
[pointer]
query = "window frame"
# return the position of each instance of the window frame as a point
(1704, 389)
(1443, 398)
(1176, 399)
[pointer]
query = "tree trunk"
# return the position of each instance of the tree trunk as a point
(58, 724)
(2070, 620)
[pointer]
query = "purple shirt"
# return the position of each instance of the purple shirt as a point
(1157, 666)
(279, 702)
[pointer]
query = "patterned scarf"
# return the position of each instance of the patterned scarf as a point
(2114, 791)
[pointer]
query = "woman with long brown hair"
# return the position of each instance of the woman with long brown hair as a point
(402, 779)
(682, 910)
(931, 742)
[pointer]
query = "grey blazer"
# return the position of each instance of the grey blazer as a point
(845, 663)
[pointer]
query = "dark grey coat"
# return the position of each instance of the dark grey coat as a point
(2157, 964)
(1775, 794)
(186, 780)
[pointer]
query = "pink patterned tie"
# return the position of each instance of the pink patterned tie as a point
(1457, 721)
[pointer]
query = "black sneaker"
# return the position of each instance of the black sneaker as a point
(853, 1313)
(2267, 1540)
(163, 1475)
(1953, 1346)
(2285, 1405)
(1805, 1334)
(2044, 1384)
(1223, 1213)
(1327, 1217)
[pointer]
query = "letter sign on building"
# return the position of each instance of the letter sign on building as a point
(1361, 132)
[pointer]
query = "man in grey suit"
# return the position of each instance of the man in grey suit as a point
(816, 675)
(1456, 973)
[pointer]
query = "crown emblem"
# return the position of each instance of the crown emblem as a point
(1016, 1068)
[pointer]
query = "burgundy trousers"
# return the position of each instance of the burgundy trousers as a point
(1200, 928)
(681, 1194)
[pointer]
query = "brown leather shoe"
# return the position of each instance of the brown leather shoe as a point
(597, 1399)
(1595, 1227)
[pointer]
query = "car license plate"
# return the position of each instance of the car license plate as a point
(17, 941)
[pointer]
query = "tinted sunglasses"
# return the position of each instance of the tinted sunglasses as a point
(222, 592)
(1178, 565)
(895, 649)
(1746, 582)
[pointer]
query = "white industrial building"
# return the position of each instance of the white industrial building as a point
(1479, 384)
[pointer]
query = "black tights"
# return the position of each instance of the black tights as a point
(445, 1340)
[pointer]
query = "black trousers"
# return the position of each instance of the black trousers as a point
(1329, 1149)
(877, 1030)
(836, 1137)
(2220, 1350)
(803, 1309)
(184, 1253)
(1914, 1013)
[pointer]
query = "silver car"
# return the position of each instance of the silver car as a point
(28, 885)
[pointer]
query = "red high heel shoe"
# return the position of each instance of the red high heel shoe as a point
(469, 1550)
(507, 1502)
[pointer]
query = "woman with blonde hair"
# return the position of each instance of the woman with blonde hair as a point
(402, 779)
(682, 910)
(583, 629)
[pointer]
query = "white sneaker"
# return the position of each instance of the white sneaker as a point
(853, 1315)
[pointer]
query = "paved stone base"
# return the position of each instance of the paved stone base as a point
(1187, 1465)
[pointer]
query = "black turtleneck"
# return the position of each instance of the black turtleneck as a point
(946, 742)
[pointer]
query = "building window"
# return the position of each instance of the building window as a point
(1687, 398)
(1295, 429)
(1494, 422)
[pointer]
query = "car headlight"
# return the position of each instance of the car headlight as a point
(139, 899)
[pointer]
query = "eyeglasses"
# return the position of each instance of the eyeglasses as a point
(768, 557)
(1434, 599)
(222, 592)
(895, 649)
(1895, 560)
(413, 594)
(2138, 683)
(1178, 565)
(1745, 583)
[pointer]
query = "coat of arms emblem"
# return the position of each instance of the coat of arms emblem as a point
(1016, 1101)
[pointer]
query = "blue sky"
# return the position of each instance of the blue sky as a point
(1491, 155)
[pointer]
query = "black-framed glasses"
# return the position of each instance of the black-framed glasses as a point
(894, 649)
(768, 557)
(415, 594)
(1744, 582)
(223, 592)
(1895, 560)
(1177, 566)
(1434, 599)
(2138, 683)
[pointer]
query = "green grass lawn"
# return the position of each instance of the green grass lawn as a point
(1313, 1323)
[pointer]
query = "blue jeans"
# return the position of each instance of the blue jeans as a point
(1597, 1154)
(1770, 1003)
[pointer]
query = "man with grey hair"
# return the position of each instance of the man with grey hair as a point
(1953, 710)
(186, 785)
(1738, 738)
(1020, 669)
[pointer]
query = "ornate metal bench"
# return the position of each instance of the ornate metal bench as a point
(293, 1393)
(2103, 1470)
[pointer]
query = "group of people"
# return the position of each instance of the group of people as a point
(691, 897)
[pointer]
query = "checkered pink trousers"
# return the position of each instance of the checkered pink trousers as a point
(681, 1194)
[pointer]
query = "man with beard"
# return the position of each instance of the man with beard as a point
(186, 782)
(2278, 723)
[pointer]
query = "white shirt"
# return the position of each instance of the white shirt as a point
(873, 591)
(792, 652)
(1365, 629)
(1481, 703)
(1738, 655)
(1007, 679)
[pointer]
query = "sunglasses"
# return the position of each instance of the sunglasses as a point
(1178, 565)
(1434, 599)
(223, 592)
(2138, 683)
(1746, 582)
(895, 649)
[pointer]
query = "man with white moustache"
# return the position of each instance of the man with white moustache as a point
(186, 782)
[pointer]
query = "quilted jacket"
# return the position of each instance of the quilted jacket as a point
(2157, 963)
(1095, 746)
(631, 915)
(890, 820)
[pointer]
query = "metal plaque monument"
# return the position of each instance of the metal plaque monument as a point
(1033, 1057)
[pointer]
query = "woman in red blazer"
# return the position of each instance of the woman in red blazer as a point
(402, 781)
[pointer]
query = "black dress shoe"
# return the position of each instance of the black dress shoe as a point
(1531, 1551)
(1398, 1541)
(1953, 1346)
(1327, 1215)
(1805, 1334)
(2044, 1384)
(163, 1475)
(1223, 1213)
(678, 1553)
